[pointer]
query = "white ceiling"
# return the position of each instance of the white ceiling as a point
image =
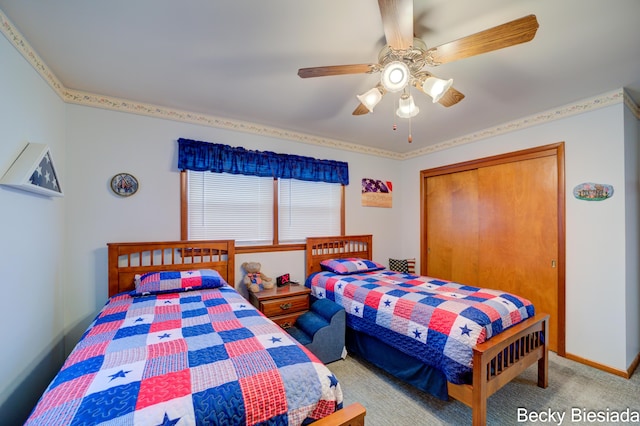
(238, 60)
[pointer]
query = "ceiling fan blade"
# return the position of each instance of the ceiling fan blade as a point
(451, 97)
(360, 110)
(509, 34)
(397, 21)
(337, 70)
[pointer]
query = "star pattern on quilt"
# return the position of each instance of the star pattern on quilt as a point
(333, 380)
(118, 371)
(120, 374)
(166, 421)
(452, 316)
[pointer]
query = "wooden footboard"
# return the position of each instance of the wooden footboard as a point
(500, 359)
(351, 415)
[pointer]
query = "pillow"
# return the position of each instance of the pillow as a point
(350, 265)
(405, 266)
(176, 281)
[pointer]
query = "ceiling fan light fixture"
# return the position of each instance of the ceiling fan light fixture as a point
(406, 107)
(370, 98)
(395, 76)
(436, 87)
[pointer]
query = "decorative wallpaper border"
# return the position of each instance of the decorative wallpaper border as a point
(597, 102)
(124, 105)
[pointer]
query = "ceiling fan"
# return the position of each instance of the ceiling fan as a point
(402, 61)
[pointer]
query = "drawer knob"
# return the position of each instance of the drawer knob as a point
(285, 325)
(285, 306)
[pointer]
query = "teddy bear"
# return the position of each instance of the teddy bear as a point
(254, 278)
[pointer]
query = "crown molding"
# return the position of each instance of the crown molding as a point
(601, 101)
(133, 107)
(15, 37)
(124, 105)
(632, 105)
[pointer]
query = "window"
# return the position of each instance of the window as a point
(308, 209)
(256, 211)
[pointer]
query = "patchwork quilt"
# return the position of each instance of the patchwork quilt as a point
(436, 321)
(198, 357)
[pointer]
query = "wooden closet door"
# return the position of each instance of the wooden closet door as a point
(452, 221)
(518, 224)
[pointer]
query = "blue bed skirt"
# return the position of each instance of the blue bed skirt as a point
(397, 363)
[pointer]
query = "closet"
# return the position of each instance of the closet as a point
(498, 222)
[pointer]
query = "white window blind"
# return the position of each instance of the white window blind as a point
(239, 207)
(227, 206)
(307, 209)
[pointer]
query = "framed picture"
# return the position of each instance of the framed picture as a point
(377, 193)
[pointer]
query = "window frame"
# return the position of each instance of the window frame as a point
(275, 246)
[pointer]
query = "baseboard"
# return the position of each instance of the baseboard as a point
(634, 365)
(622, 373)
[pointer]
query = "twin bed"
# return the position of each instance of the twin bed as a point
(444, 338)
(177, 344)
(159, 354)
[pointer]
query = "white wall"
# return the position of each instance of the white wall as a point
(632, 245)
(596, 281)
(32, 236)
(102, 143)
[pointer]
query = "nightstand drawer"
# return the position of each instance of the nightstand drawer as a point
(284, 305)
(288, 320)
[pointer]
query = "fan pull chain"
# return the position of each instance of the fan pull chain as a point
(410, 137)
(395, 126)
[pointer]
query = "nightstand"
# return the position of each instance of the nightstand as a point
(282, 305)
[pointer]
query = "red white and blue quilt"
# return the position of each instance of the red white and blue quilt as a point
(436, 321)
(199, 357)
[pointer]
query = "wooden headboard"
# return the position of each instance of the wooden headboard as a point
(128, 259)
(322, 248)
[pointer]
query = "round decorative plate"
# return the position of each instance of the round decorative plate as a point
(124, 184)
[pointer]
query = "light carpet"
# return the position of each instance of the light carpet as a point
(574, 389)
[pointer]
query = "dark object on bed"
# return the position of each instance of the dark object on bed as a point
(176, 341)
(322, 330)
(495, 361)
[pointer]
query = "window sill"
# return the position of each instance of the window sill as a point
(270, 248)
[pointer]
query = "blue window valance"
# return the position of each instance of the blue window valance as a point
(219, 158)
